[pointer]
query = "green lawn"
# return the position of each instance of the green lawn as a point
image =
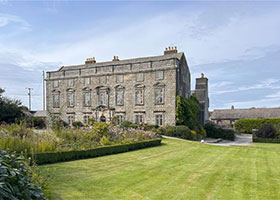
(174, 170)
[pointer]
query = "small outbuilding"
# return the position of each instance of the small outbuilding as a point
(227, 117)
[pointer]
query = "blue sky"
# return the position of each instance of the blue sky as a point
(235, 44)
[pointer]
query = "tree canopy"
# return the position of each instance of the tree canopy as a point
(10, 109)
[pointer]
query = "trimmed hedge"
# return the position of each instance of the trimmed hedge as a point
(247, 125)
(214, 131)
(266, 140)
(53, 157)
(178, 131)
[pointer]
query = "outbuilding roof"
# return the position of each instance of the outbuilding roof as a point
(221, 114)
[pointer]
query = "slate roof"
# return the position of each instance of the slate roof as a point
(245, 113)
(40, 113)
(126, 61)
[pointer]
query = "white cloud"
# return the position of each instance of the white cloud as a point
(274, 95)
(6, 19)
(265, 102)
(265, 84)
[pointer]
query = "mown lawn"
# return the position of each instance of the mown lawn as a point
(174, 170)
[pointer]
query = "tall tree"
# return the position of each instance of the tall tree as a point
(10, 109)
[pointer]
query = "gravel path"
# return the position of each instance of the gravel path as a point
(240, 139)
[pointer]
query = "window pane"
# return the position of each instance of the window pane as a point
(119, 97)
(102, 98)
(55, 83)
(140, 77)
(119, 78)
(159, 96)
(56, 100)
(70, 99)
(70, 82)
(159, 75)
(87, 99)
(102, 79)
(87, 81)
(139, 96)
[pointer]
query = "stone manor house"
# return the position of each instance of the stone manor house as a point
(141, 90)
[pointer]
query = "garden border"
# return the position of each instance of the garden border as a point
(54, 157)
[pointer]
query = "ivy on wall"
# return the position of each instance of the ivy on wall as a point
(187, 111)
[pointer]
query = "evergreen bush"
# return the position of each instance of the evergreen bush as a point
(15, 179)
(214, 131)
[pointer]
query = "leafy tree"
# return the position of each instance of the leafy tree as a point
(10, 109)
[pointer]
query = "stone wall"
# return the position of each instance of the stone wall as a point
(129, 71)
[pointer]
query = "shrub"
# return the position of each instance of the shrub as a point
(125, 124)
(170, 130)
(266, 140)
(150, 127)
(39, 122)
(77, 124)
(53, 157)
(266, 131)
(247, 125)
(133, 126)
(214, 131)
(15, 181)
(100, 128)
(178, 131)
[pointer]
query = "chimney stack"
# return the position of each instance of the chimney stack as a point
(90, 60)
(170, 50)
(116, 58)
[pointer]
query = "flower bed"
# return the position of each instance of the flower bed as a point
(20, 139)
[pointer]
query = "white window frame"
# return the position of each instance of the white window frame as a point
(139, 118)
(120, 119)
(56, 100)
(71, 99)
(87, 81)
(56, 83)
(85, 102)
(86, 119)
(103, 79)
(119, 78)
(159, 75)
(159, 119)
(117, 97)
(140, 77)
(139, 96)
(70, 82)
(157, 97)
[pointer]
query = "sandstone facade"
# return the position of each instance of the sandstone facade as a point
(141, 90)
